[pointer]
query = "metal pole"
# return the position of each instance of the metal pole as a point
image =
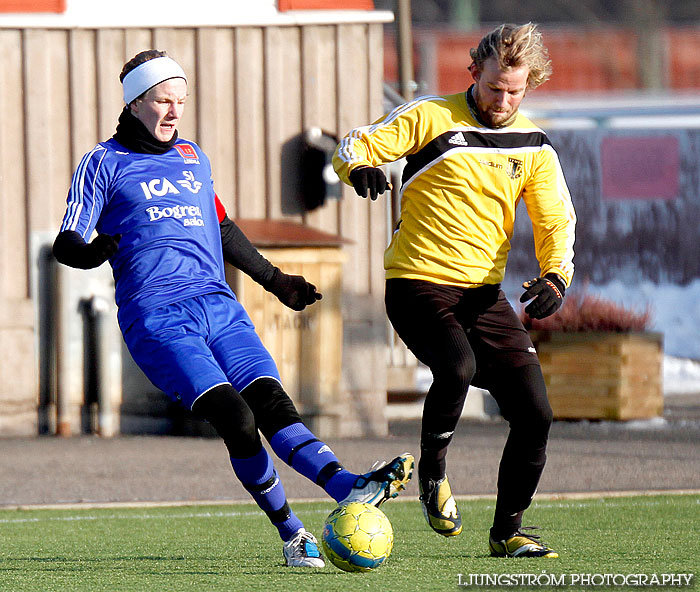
(648, 19)
(97, 400)
(465, 14)
(63, 406)
(49, 332)
(405, 49)
(105, 418)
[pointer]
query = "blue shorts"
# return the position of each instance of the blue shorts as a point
(191, 346)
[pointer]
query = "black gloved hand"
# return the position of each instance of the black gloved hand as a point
(101, 249)
(366, 178)
(293, 290)
(70, 249)
(548, 295)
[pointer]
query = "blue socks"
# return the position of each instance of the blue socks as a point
(340, 484)
(307, 455)
(258, 476)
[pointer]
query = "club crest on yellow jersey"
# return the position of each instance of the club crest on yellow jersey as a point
(515, 168)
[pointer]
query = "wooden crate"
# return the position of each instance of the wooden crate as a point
(307, 345)
(595, 375)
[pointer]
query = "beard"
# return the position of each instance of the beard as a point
(496, 118)
(491, 117)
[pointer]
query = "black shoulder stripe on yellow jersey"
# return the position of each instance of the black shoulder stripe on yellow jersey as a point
(470, 139)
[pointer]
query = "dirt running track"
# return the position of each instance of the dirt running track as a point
(584, 457)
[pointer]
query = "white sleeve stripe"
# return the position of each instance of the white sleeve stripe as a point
(75, 204)
(568, 262)
(76, 198)
(346, 151)
(401, 109)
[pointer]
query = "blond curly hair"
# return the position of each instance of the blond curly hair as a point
(514, 46)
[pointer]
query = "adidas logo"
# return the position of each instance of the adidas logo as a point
(458, 139)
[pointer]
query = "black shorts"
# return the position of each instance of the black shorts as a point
(420, 311)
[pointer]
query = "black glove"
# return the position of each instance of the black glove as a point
(293, 290)
(102, 248)
(370, 179)
(548, 294)
(70, 249)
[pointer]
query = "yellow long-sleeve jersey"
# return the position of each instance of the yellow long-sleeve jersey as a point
(460, 189)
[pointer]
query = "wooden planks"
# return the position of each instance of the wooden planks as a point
(216, 93)
(249, 131)
(46, 109)
(283, 122)
(602, 375)
(319, 75)
(306, 345)
(14, 276)
(353, 111)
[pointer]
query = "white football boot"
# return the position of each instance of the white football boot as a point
(382, 482)
(302, 550)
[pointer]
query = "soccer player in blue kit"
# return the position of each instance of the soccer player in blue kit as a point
(149, 196)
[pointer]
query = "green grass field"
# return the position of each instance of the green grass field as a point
(233, 548)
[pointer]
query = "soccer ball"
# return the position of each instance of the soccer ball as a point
(357, 537)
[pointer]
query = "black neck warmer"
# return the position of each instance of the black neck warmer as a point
(133, 135)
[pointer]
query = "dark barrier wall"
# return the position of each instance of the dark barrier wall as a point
(637, 199)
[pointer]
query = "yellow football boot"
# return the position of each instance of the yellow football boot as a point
(521, 545)
(439, 507)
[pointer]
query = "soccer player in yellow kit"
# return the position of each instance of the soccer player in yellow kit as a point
(470, 158)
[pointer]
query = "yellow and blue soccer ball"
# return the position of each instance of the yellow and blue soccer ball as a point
(357, 537)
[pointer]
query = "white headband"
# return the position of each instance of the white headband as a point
(148, 74)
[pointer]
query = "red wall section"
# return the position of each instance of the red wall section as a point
(20, 6)
(683, 47)
(283, 5)
(582, 60)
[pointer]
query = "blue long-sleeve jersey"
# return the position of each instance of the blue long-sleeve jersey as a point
(164, 207)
